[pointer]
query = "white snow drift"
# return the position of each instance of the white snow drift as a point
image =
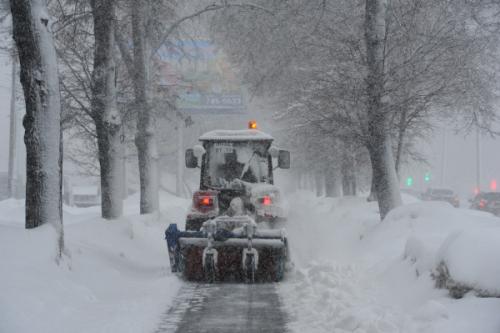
(114, 278)
(352, 273)
(356, 274)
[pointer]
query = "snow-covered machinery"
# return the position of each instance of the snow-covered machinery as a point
(232, 229)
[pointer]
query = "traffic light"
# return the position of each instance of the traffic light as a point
(427, 177)
(409, 181)
(493, 185)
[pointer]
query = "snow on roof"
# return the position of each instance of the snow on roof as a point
(85, 190)
(235, 135)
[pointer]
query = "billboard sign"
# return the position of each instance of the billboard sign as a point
(202, 78)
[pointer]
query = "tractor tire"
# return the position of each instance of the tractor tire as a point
(209, 269)
(250, 269)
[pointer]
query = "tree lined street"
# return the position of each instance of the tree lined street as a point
(154, 130)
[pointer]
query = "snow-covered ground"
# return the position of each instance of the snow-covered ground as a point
(356, 274)
(115, 277)
(352, 273)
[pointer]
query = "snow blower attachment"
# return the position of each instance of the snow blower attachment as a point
(232, 227)
(228, 249)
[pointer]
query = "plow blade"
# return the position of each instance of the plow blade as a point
(230, 265)
(228, 260)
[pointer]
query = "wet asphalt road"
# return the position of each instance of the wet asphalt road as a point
(221, 308)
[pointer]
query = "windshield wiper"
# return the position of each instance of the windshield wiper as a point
(247, 165)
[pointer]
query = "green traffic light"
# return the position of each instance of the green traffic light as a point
(409, 181)
(427, 177)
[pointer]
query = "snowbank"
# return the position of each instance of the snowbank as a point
(352, 272)
(457, 245)
(468, 260)
(356, 274)
(114, 278)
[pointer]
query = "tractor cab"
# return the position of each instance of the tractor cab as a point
(235, 164)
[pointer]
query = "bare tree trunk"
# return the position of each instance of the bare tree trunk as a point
(373, 192)
(354, 170)
(379, 144)
(348, 184)
(400, 143)
(302, 180)
(42, 122)
(319, 181)
(311, 186)
(104, 110)
(295, 180)
(348, 175)
(333, 182)
(145, 140)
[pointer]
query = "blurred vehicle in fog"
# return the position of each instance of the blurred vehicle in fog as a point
(414, 193)
(441, 194)
(86, 196)
(487, 201)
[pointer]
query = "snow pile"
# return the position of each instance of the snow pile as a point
(326, 228)
(334, 298)
(468, 262)
(456, 244)
(356, 274)
(352, 272)
(115, 276)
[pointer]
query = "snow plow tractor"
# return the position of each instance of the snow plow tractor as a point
(232, 229)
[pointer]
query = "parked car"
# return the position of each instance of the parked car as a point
(414, 193)
(441, 194)
(86, 196)
(487, 201)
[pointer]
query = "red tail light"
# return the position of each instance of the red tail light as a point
(482, 203)
(266, 200)
(205, 201)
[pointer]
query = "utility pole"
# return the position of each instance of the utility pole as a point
(180, 157)
(478, 159)
(443, 159)
(13, 134)
(125, 165)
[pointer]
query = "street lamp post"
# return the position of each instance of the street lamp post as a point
(478, 159)
(443, 159)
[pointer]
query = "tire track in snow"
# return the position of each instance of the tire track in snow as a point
(190, 296)
(224, 308)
